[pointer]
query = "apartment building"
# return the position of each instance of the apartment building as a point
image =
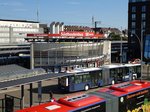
(139, 29)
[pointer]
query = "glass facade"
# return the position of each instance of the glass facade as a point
(147, 48)
(62, 53)
(82, 54)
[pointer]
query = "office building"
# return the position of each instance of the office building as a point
(139, 29)
(14, 31)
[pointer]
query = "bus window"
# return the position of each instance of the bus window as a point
(73, 79)
(78, 79)
(100, 75)
(112, 73)
(86, 78)
(64, 81)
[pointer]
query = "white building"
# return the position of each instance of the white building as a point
(14, 31)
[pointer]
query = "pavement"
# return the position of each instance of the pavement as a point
(49, 85)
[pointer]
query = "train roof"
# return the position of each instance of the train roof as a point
(126, 88)
(66, 104)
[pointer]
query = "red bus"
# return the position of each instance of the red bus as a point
(76, 103)
(127, 97)
(131, 96)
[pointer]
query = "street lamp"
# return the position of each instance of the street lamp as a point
(141, 46)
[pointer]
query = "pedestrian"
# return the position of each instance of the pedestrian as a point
(51, 98)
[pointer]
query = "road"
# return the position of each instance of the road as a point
(49, 85)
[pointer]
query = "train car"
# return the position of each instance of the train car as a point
(127, 97)
(75, 103)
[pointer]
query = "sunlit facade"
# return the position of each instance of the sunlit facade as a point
(138, 27)
(14, 31)
(69, 55)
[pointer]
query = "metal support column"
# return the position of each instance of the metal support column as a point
(32, 56)
(31, 95)
(40, 91)
(22, 96)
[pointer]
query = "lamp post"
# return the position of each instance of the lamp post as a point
(141, 46)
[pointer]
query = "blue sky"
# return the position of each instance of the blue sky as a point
(111, 13)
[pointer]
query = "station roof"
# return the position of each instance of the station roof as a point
(14, 75)
(11, 68)
(13, 72)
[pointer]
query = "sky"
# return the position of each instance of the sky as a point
(110, 13)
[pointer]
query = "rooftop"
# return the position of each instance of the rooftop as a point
(18, 21)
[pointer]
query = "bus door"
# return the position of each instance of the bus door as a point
(94, 78)
(132, 73)
(78, 81)
(63, 83)
(72, 82)
(125, 74)
(113, 75)
(105, 76)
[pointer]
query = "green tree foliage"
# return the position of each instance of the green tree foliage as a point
(116, 37)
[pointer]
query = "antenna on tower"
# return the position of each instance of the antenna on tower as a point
(37, 13)
(93, 21)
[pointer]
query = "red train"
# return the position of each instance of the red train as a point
(125, 97)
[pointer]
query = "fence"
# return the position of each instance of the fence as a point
(10, 103)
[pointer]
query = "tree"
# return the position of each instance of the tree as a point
(115, 37)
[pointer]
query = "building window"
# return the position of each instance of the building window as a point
(132, 31)
(133, 8)
(147, 47)
(133, 16)
(132, 0)
(143, 24)
(137, 1)
(143, 16)
(143, 8)
(133, 24)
